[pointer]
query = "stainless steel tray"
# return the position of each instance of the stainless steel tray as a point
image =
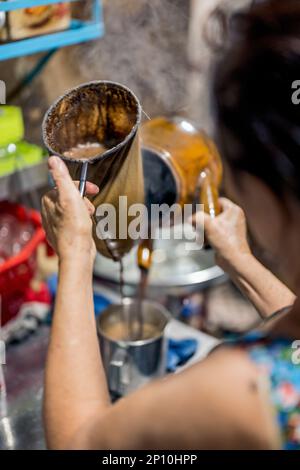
(178, 268)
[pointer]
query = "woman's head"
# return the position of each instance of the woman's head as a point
(258, 123)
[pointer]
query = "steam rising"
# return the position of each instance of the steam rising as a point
(158, 49)
(145, 48)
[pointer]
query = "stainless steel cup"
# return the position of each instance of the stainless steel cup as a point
(131, 364)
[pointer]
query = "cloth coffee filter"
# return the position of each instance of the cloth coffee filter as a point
(106, 113)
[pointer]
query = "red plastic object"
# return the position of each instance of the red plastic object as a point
(17, 272)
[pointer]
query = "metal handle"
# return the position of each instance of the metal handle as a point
(209, 194)
(118, 372)
(83, 178)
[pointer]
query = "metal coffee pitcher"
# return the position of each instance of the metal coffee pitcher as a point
(181, 164)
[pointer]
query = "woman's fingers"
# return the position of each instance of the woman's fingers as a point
(91, 189)
(62, 178)
(226, 203)
(66, 215)
(90, 207)
(52, 196)
(199, 219)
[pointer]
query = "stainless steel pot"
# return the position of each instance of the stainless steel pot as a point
(130, 364)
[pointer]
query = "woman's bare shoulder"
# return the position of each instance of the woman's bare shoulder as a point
(238, 399)
(215, 404)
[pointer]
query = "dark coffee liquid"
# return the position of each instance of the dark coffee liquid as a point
(86, 151)
(139, 306)
(135, 322)
(122, 294)
(144, 263)
(122, 280)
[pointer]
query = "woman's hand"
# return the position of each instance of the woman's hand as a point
(227, 234)
(66, 216)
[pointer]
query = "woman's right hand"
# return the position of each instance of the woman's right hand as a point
(227, 234)
(66, 216)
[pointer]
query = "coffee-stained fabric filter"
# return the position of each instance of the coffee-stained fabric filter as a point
(108, 114)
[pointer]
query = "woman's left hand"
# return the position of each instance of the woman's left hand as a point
(227, 234)
(66, 216)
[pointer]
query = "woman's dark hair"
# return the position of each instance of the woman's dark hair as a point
(258, 123)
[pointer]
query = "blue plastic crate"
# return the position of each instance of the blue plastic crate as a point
(79, 31)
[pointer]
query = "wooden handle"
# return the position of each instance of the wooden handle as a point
(209, 194)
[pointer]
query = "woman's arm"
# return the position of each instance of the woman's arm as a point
(266, 292)
(75, 386)
(227, 233)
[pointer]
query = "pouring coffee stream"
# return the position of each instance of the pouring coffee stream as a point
(144, 261)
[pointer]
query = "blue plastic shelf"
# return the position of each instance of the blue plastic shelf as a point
(80, 31)
(17, 4)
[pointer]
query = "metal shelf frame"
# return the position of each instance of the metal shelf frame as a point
(79, 31)
(11, 5)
